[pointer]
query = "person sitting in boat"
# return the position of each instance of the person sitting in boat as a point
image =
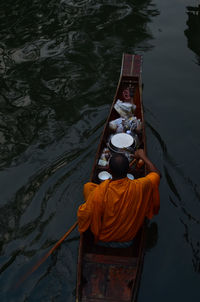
(115, 210)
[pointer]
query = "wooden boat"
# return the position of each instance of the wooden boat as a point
(113, 274)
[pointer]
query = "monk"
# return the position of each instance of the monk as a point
(115, 210)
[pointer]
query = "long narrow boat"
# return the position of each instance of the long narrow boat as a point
(113, 274)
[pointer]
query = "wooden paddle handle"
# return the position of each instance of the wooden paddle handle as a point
(132, 162)
(48, 254)
(64, 237)
(138, 163)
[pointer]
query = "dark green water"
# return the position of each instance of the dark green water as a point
(59, 67)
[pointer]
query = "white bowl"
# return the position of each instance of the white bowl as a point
(103, 175)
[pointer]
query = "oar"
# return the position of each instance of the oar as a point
(138, 163)
(49, 253)
(132, 162)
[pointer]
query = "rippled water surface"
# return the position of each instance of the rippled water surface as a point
(59, 68)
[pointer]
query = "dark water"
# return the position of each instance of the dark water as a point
(59, 67)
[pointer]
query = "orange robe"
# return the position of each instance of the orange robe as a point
(115, 209)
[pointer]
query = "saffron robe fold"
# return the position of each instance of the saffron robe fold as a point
(115, 209)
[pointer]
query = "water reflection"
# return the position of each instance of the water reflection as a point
(59, 65)
(49, 52)
(184, 195)
(193, 31)
(151, 235)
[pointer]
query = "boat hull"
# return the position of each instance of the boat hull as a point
(105, 273)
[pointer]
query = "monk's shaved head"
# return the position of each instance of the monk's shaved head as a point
(119, 165)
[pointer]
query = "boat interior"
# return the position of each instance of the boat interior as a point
(128, 91)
